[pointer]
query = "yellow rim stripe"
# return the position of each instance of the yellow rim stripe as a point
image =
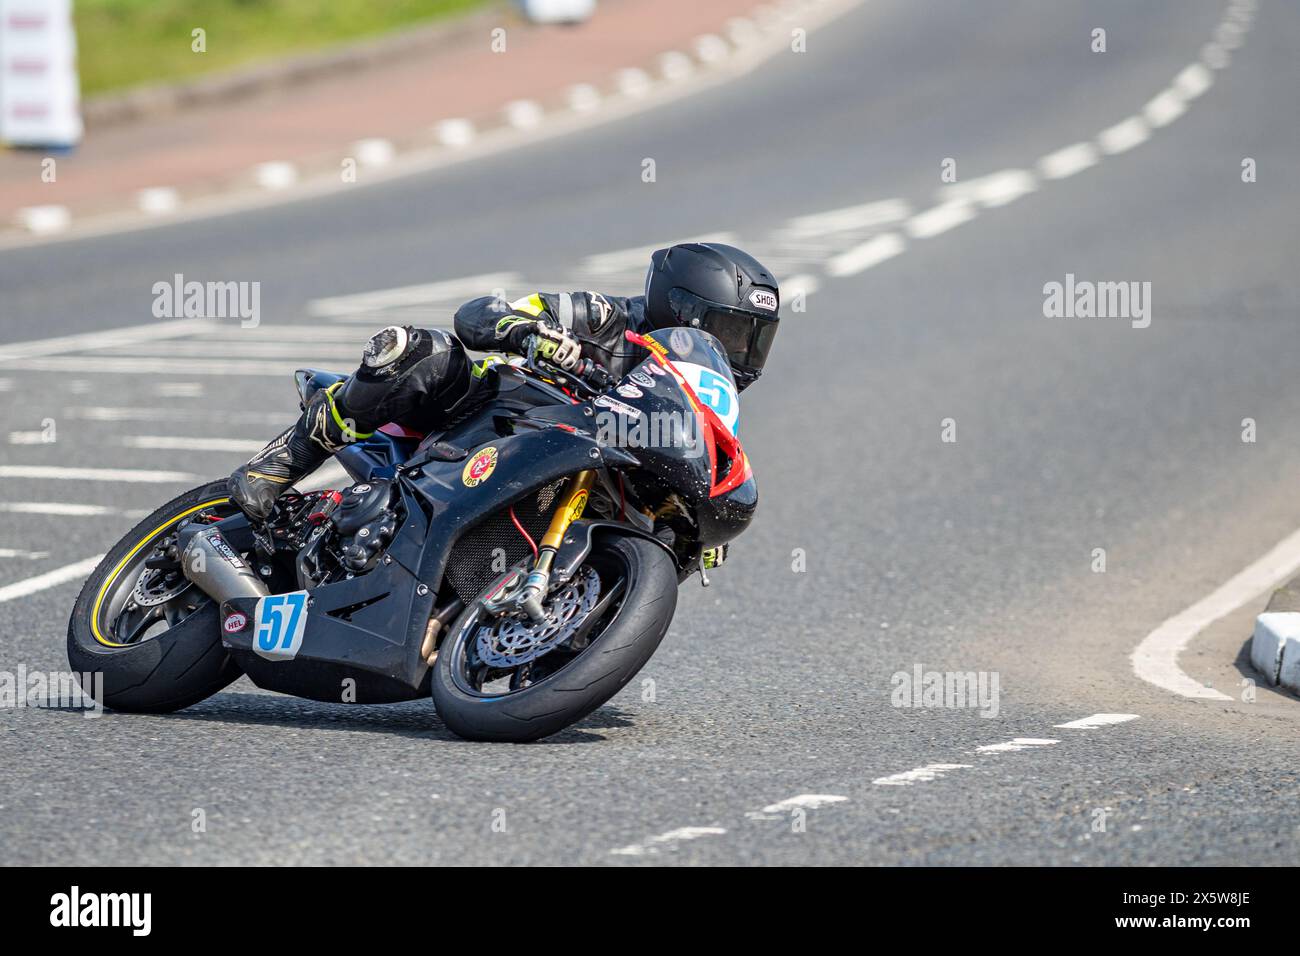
(99, 598)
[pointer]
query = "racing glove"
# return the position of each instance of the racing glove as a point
(553, 344)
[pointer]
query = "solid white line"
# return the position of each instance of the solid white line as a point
(1017, 743)
(656, 843)
(61, 508)
(1068, 161)
(93, 474)
(1155, 660)
(1124, 135)
(181, 443)
(1095, 721)
(94, 340)
(69, 572)
(868, 254)
(930, 771)
(18, 553)
(940, 219)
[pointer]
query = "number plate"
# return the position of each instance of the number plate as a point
(280, 620)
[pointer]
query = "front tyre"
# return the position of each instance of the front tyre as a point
(510, 680)
(152, 635)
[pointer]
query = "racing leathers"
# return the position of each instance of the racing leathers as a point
(419, 378)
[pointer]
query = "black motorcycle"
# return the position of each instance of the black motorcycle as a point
(521, 565)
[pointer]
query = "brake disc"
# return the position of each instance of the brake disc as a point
(152, 588)
(511, 641)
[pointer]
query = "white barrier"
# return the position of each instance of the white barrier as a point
(40, 102)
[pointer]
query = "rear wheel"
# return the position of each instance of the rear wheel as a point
(510, 679)
(152, 634)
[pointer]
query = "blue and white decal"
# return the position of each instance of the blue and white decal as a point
(715, 390)
(279, 623)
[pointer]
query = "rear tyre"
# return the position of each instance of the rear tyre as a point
(153, 657)
(626, 620)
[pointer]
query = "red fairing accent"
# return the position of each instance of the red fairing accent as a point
(394, 430)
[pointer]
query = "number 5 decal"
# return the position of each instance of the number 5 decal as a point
(279, 622)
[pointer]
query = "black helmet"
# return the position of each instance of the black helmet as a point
(721, 290)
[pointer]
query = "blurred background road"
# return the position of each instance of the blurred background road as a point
(924, 303)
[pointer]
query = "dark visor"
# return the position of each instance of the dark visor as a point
(745, 336)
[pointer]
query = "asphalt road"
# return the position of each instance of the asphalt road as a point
(1072, 434)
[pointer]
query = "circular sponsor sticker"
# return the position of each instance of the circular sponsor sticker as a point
(655, 368)
(360, 489)
(680, 342)
(629, 391)
(479, 468)
(235, 622)
(644, 379)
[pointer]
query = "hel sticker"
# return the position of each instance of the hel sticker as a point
(654, 368)
(680, 342)
(763, 299)
(714, 390)
(280, 620)
(479, 468)
(643, 379)
(613, 404)
(629, 391)
(234, 623)
(577, 505)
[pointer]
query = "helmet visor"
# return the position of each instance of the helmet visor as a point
(745, 336)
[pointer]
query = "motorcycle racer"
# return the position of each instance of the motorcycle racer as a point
(419, 378)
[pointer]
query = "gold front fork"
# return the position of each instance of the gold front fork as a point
(538, 582)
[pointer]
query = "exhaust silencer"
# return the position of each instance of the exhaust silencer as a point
(211, 563)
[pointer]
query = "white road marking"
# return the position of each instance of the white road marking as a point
(111, 413)
(373, 152)
(275, 175)
(1155, 660)
(995, 189)
(69, 572)
(804, 801)
(235, 347)
(1124, 135)
(26, 555)
(1068, 161)
(125, 365)
(637, 258)
(1193, 81)
(1017, 743)
(455, 133)
(6, 385)
(179, 389)
(157, 200)
(182, 443)
(43, 220)
(1095, 721)
(665, 840)
(409, 295)
(1164, 108)
(940, 218)
(867, 215)
(93, 340)
(61, 508)
(796, 284)
(931, 771)
(29, 438)
(868, 254)
(93, 474)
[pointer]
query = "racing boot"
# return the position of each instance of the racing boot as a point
(319, 432)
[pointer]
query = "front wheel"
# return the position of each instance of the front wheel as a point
(152, 635)
(510, 679)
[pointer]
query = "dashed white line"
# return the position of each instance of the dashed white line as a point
(1193, 81)
(1124, 135)
(54, 473)
(1164, 108)
(667, 840)
(25, 555)
(864, 216)
(69, 572)
(1017, 743)
(864, 256)
(182, 443)
(1068, 161)
(1095, 721)
(940, 219)
(931, 771)
(65, 509)
(804, 801)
